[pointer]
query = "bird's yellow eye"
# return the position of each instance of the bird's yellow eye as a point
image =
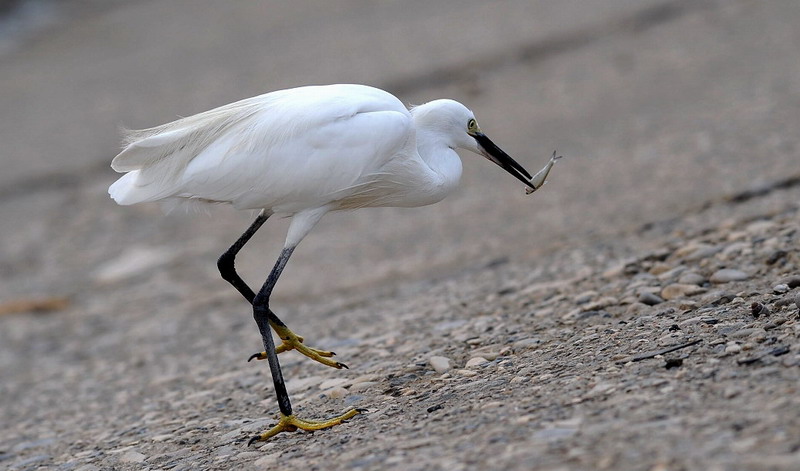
(472, 126)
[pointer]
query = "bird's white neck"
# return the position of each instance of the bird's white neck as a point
(440, 156)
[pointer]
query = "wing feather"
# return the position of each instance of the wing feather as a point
(293, 145)
(185, 137)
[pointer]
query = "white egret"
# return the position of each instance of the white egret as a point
(304, 152)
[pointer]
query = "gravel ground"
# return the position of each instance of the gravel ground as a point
(628, 316)
(561, 362)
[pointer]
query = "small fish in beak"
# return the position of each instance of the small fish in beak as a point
(540, 178)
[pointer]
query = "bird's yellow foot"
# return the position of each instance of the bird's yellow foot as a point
(292, 341)
(290, 423)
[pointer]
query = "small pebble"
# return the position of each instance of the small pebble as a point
(584, 297)
(659, 269)
(605, 301)
(364, 385)
(476, 361)
(132, 457)
(703, 251)
(439, 364)
(688, 305)
(727, 275)
(615, 271)
(717, 298)
(732, 349)
(672, 273)
(337, 393)
(490, 353)
(775, 323)
(792, 282)
(736, 249)
(692, 279)
(758, 310)
(741, 333)
(650, 299)
(636, 308)
(527, 343)
(679, 290)
(690, 321)
(780, 288)
(791, 361)
(776, 256)
(692, 246)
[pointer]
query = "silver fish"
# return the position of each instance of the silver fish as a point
(539, 179)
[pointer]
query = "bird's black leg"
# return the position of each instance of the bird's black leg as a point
(261, 313)
(291, 341)
(227, 267)
(226, 261)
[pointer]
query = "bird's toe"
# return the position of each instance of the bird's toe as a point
(257, 356)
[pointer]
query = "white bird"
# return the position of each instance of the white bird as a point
(303, 152)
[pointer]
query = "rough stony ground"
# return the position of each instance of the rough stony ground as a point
(556, 363)
(121, 348)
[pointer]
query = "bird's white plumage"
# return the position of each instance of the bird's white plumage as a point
(342, 146)
(303, 152)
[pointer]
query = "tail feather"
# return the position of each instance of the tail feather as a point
(122, 190)
(155, 158)
(135, 187)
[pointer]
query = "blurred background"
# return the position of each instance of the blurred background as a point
(660, 108)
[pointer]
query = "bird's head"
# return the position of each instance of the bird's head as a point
(456, 124)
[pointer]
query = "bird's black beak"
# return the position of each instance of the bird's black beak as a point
(496, 155)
